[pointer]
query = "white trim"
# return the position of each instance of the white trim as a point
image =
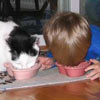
(63, 5)
(75, 6)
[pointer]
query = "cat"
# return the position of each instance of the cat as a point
(17, 46)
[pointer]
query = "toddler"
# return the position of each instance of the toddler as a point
(69, 38)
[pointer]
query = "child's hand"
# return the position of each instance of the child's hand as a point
(95, 73)
(46, 62)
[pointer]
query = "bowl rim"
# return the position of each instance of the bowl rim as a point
(27, 69)
(82, 67)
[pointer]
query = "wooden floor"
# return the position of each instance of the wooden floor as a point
(83, 90)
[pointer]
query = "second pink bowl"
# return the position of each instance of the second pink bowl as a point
(74, 71)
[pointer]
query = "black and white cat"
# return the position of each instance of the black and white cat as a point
(16, 46)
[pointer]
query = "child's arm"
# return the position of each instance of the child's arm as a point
(95, 67)
(46, 59)
(46, 62)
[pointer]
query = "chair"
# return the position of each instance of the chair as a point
(7, 10)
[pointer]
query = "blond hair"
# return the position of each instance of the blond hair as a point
(68, 37)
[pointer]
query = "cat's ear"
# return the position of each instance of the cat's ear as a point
(9, 40)
(34, 40)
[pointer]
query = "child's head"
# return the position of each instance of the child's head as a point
(68, 37)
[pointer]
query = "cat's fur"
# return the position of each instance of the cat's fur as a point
(16, 46)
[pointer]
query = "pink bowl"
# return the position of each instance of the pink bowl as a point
(74, 71)
(61, 68)
(22, 74)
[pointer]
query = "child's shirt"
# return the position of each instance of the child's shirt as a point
(94, 50)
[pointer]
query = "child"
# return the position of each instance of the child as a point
(68, 37)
